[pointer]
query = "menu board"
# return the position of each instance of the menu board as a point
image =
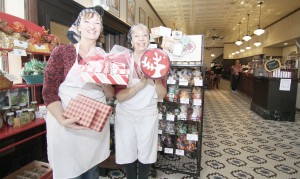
(272, 65)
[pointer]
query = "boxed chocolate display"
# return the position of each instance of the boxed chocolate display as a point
(35, 169)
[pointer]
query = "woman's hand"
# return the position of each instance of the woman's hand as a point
(108, 90)
(57, 110)
(72, 124)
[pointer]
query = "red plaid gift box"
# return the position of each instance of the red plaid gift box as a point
(112, 68)
(93, 114)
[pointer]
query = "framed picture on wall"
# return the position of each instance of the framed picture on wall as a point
(142, 16)
(130, 12)
(114, 7)
(150, 23)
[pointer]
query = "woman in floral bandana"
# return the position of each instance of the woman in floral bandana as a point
(74, 151)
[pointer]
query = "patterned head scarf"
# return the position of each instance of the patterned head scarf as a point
(73, 34)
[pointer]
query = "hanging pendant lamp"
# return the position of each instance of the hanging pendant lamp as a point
(257, 43)
(259, 30)
(247, 37)
(239, 42)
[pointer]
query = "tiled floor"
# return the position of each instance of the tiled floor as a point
(238, 144)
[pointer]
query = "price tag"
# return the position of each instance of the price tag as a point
(194, 116)
(182, 117)
(171, 81)
(159, 148)
(170, 117)
(40, 47)
(179, 152)
(159, 115)
(183, 82)
(159, 131)
(193, 137)
(171, 95)
(20, 52)
(198, 82)
(18, 43)
(197, 102)
(184, 100)
(168, 150)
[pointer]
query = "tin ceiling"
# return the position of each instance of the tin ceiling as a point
(218, 19)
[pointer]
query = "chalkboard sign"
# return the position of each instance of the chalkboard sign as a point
(272, 65)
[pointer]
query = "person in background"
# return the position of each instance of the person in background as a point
(218, 70)
(136, 122)
(74, 151)
(236, 70)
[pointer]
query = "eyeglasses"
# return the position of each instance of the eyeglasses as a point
(140, 35)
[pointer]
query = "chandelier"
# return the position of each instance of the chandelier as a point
(259, 30)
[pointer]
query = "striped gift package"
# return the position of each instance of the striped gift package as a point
(93, 114)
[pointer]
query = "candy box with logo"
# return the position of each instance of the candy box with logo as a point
(107, 68)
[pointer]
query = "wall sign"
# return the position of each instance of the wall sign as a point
(272, 65)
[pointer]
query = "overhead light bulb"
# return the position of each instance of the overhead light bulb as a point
(257, 44)
(212, 55)
(247, 37)
(233, 53)
(248, 48)
(237, 52)
(238, 42)
(259, 31)
(242, 50)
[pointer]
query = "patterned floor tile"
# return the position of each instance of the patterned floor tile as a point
(239, 144)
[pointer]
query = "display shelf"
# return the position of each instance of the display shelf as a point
(27, 51)
(22, 85)
(181, 121)
(6, 131)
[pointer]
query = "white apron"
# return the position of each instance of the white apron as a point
(72, 152)
(136, 125)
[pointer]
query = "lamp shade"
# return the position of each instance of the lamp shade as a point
(238, 42)
(259, 31)
(247, 38)
(257, 44)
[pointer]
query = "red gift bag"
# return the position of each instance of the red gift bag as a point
(93, 114)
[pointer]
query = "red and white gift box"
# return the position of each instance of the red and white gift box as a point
(111, 68)
(93, 114)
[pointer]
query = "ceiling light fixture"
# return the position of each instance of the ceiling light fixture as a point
(247, 37)
(257, 43)
(259, 30)
(238, 42)
(242, 50)
(248, 47)
(212, 55)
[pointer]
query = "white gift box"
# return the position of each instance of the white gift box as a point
(161, 31)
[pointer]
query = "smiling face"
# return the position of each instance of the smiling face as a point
(90, 26)
(140, 38)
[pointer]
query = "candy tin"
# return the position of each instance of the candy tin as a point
(155, 63)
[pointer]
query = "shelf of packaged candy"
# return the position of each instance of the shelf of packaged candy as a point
(180, 124)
